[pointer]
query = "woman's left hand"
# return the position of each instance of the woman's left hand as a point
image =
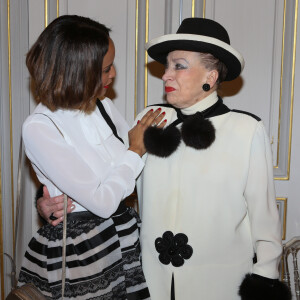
(136, 134)
(52, 209)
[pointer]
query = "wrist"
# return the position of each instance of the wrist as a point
(136, 150)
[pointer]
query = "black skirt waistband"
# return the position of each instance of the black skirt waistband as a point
(87, 215)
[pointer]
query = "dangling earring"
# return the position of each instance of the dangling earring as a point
(206, 87)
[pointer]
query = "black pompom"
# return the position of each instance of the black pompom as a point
(197, 132)
(162, 142)
(255, 287)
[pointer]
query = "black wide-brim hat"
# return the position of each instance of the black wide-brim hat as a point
(199, 35)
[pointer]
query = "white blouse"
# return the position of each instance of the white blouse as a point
(82, 158)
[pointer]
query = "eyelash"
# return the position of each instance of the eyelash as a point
(177, 66)
(107, 70)
(180, 67)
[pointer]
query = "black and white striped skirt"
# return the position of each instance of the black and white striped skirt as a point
(102, 258)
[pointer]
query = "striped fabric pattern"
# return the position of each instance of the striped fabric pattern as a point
(102, 260)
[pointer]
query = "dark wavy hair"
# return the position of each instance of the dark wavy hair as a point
(65, 63)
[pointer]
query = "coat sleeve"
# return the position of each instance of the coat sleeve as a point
(262, 208)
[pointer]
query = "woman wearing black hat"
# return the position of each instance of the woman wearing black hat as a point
(210, 225)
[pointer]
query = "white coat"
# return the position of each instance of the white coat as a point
(222, 198)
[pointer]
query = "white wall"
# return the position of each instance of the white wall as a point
(263, 31)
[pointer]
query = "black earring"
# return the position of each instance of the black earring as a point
(206, 87)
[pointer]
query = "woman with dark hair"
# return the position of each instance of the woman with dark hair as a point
(77, 146)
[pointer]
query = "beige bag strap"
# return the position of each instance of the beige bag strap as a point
(63, 270)
(63, 274)
(52, 122)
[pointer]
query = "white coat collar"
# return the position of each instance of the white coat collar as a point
(201, 105)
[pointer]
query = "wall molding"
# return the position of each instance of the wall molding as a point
(281, 127)
(282, 208)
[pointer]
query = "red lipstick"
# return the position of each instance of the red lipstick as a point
(169, 89)
(106, 86)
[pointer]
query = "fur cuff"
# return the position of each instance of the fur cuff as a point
(256, 287)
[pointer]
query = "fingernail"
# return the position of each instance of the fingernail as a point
(163, 113)
(165, 120)
(151, 109)
(138, 122)
(159, 109)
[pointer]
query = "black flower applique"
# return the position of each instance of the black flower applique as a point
(174, 249)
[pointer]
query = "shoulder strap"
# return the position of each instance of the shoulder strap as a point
(108, 120)
(63, 270)
(52, 122)
(63, 274)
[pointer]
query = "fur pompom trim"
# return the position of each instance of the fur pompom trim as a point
(197, 132)
(256, 287)
(162, 142)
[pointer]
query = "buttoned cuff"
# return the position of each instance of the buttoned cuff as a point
(134, 162)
